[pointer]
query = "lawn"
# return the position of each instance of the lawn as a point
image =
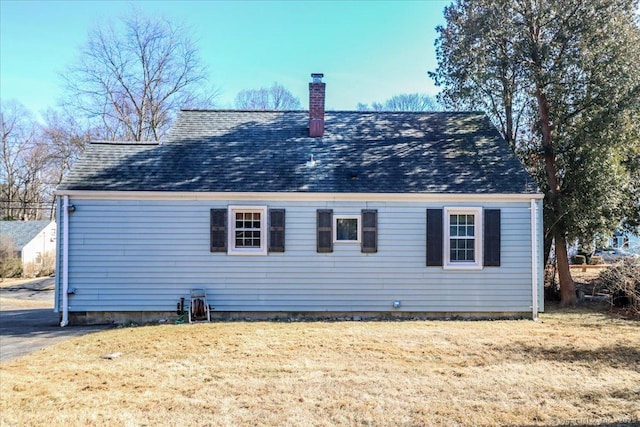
(571, 367)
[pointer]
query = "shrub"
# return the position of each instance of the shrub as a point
(44, 268)
(48, 264)
(622, 280)
(10, 267)
(31, 270)
(10, 264)
(579, 259)
(586, 253)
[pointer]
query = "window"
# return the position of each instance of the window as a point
(462, 238)
(462, 241)
(332, 229)
(346, 229)
(247, 230)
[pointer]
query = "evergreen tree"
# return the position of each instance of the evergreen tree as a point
(561, 81)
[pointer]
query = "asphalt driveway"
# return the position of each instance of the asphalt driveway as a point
(26, 330)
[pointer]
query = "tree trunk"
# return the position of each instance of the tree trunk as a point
(567, 286)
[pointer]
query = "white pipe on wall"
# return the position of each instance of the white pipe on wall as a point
(534, 259)
(65, 262)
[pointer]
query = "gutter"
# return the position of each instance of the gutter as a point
(534, 259)
(65, 262)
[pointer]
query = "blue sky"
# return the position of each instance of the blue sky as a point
(368, 51)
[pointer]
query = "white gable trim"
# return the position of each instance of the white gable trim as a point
(355, 197)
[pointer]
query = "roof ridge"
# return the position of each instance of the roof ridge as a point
(105, 142)
(228, 110)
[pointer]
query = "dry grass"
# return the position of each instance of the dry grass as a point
(572, 365)
(20, 304)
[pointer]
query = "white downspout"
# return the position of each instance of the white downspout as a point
(534, 259)
(65, 262)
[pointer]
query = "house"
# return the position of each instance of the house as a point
(624, 240)
(273, 213)
(31, 241)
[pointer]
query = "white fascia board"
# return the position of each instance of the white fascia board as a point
(356, 197)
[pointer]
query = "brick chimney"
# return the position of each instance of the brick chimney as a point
(316, 105)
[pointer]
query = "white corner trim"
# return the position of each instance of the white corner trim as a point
(65, 262)
(534, 259)
(300, 196)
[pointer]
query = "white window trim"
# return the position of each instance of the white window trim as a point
(231, 230)
(335, 228)
(479, 232)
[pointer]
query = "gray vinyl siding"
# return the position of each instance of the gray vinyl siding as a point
(143, 255)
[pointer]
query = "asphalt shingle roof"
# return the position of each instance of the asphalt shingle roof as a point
(360, 152)
(22, 232)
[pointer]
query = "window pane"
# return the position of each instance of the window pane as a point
(246, 225)
(462, 250)
(347, 229)
(462, 225)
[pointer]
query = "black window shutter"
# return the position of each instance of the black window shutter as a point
(276, 230)
(492, 237)
(369, 231)
(325, 230)
(434, 237)
(218, 230)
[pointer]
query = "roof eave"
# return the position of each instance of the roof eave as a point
(300, 196)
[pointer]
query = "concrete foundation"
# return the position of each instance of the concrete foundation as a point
(147, 317)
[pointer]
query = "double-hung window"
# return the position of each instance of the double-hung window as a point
(462, 240)
(247, 230)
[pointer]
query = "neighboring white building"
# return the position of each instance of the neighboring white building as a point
(31, 240)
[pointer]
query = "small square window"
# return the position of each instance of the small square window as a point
(247, 235)
(346, 228)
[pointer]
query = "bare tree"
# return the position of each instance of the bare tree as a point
(65, 139)
(276, 97)
(134, 75)
(404, 102)
(34, 158)
(18, 131)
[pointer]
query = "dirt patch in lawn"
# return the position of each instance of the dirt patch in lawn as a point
(573, 366)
